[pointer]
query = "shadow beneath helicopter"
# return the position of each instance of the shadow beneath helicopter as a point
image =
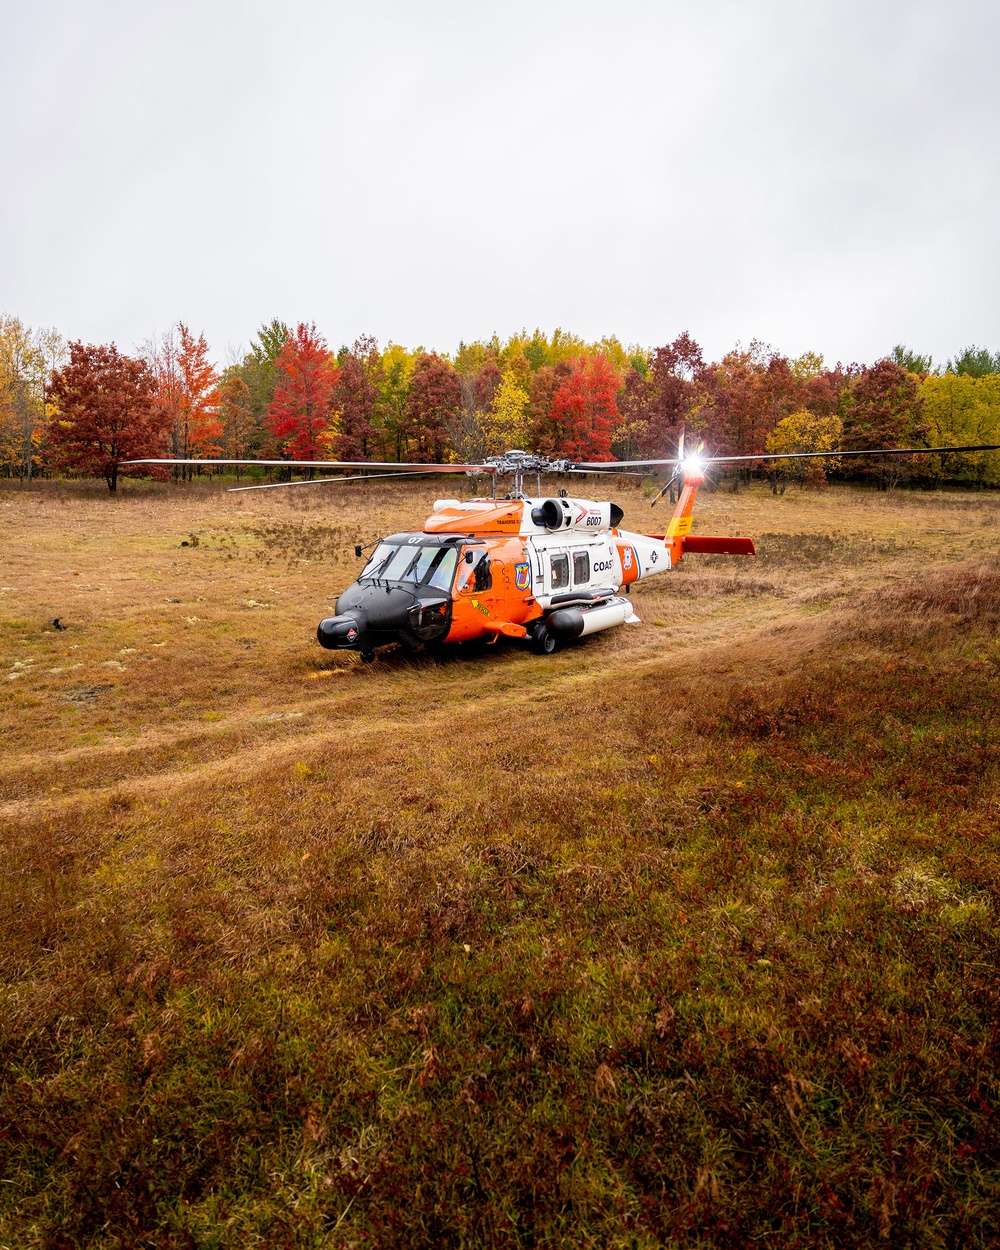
(504, 651)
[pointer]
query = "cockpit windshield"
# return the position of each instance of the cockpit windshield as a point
(421, 564)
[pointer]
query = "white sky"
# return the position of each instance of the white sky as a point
(820, 174)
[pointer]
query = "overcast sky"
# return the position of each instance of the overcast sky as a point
(819, 174)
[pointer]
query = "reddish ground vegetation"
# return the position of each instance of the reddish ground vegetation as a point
(687, 935)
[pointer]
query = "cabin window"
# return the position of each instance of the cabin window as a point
(581, 568)
(560, 571)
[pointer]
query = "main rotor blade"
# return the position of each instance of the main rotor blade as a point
(797, 455)
(318, 481)
(326, 464)
(830, 455)
(607, 471)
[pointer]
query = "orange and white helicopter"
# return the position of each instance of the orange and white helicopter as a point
(544, 570)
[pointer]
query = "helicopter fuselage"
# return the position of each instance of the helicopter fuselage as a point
(522, 568)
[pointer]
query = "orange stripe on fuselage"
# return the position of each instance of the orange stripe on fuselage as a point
(478, 516)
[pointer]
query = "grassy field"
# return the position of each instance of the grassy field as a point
(686, 935)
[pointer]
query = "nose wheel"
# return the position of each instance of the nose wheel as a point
(367, 657)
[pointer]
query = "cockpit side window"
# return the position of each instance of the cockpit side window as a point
(484, 578)
(475, 576)
(443, 568)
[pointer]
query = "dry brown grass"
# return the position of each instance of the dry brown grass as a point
(682, 933)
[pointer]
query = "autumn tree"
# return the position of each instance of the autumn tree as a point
(200, 396)
(300, 415)
(433, 401)
(821, 392)
(27, 357)
(583, 413)
(545, 435)
(505, 422)
(246, 391)
(800, 432)
(106, 413)
(236, 415)
(883, 409)
(357, 395)
(479, 377)
(962, 409)
(742, 398)
(187, 393)
(658, 397)
(394, 394)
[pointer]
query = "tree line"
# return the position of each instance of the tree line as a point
(84, 409)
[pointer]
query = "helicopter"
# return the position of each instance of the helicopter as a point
(543, 570)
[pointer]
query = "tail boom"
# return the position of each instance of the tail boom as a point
(642, 555)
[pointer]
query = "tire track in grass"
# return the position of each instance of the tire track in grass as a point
(433, 717)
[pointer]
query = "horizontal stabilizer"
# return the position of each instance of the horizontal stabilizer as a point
(718, 546)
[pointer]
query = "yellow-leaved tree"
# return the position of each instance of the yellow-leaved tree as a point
(27, 357)
(505, 424)
(802, 431)
(961, 409)
(390, 407)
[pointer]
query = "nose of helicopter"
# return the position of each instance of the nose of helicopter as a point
(339, 631)
(372, 615)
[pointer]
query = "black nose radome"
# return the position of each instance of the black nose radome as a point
(338, 631)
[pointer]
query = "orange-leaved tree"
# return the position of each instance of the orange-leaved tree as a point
(300, 416)
(236, 415)
(105, 413)
(187, 393)
(200, 417)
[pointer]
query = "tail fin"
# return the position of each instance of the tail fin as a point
(681, 521)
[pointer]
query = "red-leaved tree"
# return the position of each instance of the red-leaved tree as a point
(742, 397)
(105, 413)
(358, 389)
(431, 408)
(301, 412)
(656, 405)
(884, 409)
(583, 413)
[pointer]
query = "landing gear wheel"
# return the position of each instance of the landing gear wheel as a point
(367, 657)
(544, 643)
